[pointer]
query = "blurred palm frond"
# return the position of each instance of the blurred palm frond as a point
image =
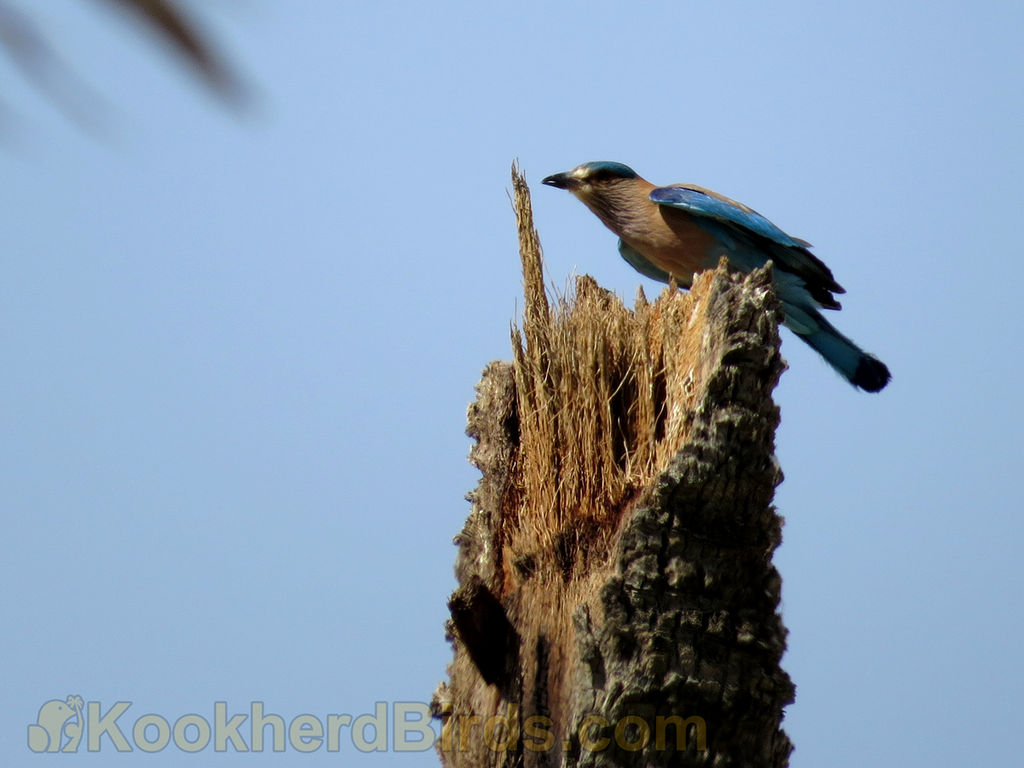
(167, 19)
(28, 48)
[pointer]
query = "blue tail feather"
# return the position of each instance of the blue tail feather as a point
(861, 369)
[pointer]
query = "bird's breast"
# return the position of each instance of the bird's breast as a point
(672, 242)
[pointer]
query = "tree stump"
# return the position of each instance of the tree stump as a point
(617, 603)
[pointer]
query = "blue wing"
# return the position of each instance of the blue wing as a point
(701, 202)
(751, 235)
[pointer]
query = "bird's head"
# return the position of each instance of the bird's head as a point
(592, 179)
(613, 191)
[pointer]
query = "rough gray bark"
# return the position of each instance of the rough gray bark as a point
(689, 615)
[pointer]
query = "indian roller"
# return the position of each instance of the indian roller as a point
(678, 230)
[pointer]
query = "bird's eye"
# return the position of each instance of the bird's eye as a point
(602, 174)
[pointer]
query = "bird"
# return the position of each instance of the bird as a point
(671, 233)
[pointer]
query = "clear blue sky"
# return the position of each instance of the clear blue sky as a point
(237, 352)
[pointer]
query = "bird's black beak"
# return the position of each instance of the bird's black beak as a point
(560, 180)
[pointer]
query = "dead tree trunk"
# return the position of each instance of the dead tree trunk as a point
(617, 604)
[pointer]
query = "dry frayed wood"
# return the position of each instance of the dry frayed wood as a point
(615, 570)
(605, 397)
